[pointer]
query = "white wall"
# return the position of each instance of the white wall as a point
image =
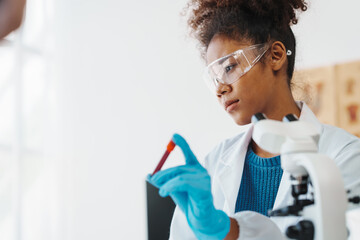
(328, 33)
(121, 78)
(129, 80)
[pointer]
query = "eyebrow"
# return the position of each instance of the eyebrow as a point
(222, 59)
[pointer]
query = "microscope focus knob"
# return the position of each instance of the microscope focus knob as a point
(303, 230)
(257, 117)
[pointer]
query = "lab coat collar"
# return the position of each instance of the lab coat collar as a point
(308, 116)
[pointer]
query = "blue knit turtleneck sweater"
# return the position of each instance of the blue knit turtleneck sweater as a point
(259, 184)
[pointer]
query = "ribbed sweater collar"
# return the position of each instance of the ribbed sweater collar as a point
(262, 162)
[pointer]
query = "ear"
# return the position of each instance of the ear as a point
(278, 55)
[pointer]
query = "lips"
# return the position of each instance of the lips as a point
(230, 104)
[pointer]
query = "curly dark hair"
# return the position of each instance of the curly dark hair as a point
(256, 20)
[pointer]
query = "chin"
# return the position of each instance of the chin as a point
(241, 120)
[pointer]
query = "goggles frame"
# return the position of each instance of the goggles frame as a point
(213, 80)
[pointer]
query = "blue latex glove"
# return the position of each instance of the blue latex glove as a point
(190, 188)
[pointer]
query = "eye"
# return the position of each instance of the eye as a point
(230, 67)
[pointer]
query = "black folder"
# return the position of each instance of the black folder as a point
(159, 214)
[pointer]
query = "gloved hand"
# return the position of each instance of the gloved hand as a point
(190, 188)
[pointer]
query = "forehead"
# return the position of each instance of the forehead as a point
(221, 45)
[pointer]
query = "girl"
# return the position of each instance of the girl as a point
(249, 49)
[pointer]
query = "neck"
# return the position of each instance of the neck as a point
(279, 106)
(260, 152)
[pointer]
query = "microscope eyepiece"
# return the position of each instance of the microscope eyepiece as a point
(290, 118)
(257, 117)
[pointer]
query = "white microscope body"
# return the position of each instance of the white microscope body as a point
(297, 142)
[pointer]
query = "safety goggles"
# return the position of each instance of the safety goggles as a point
(230, 68)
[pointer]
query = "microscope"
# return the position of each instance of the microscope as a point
(323, 215)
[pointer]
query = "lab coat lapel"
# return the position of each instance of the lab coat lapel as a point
(230, 170)
(283, 197)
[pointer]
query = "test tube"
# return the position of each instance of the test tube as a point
(169, 148)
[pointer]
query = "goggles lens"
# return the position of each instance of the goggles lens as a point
(230, 68)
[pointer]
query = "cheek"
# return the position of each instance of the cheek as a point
(245, 88)
(254, 83)
(252, 90)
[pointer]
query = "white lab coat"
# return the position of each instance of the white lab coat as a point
(225, 166)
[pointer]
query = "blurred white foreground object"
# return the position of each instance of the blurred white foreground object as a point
(353, 223)
(323, 215)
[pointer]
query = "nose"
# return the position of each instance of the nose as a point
(222, 89)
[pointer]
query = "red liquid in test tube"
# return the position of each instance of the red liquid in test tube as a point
(169, 148)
